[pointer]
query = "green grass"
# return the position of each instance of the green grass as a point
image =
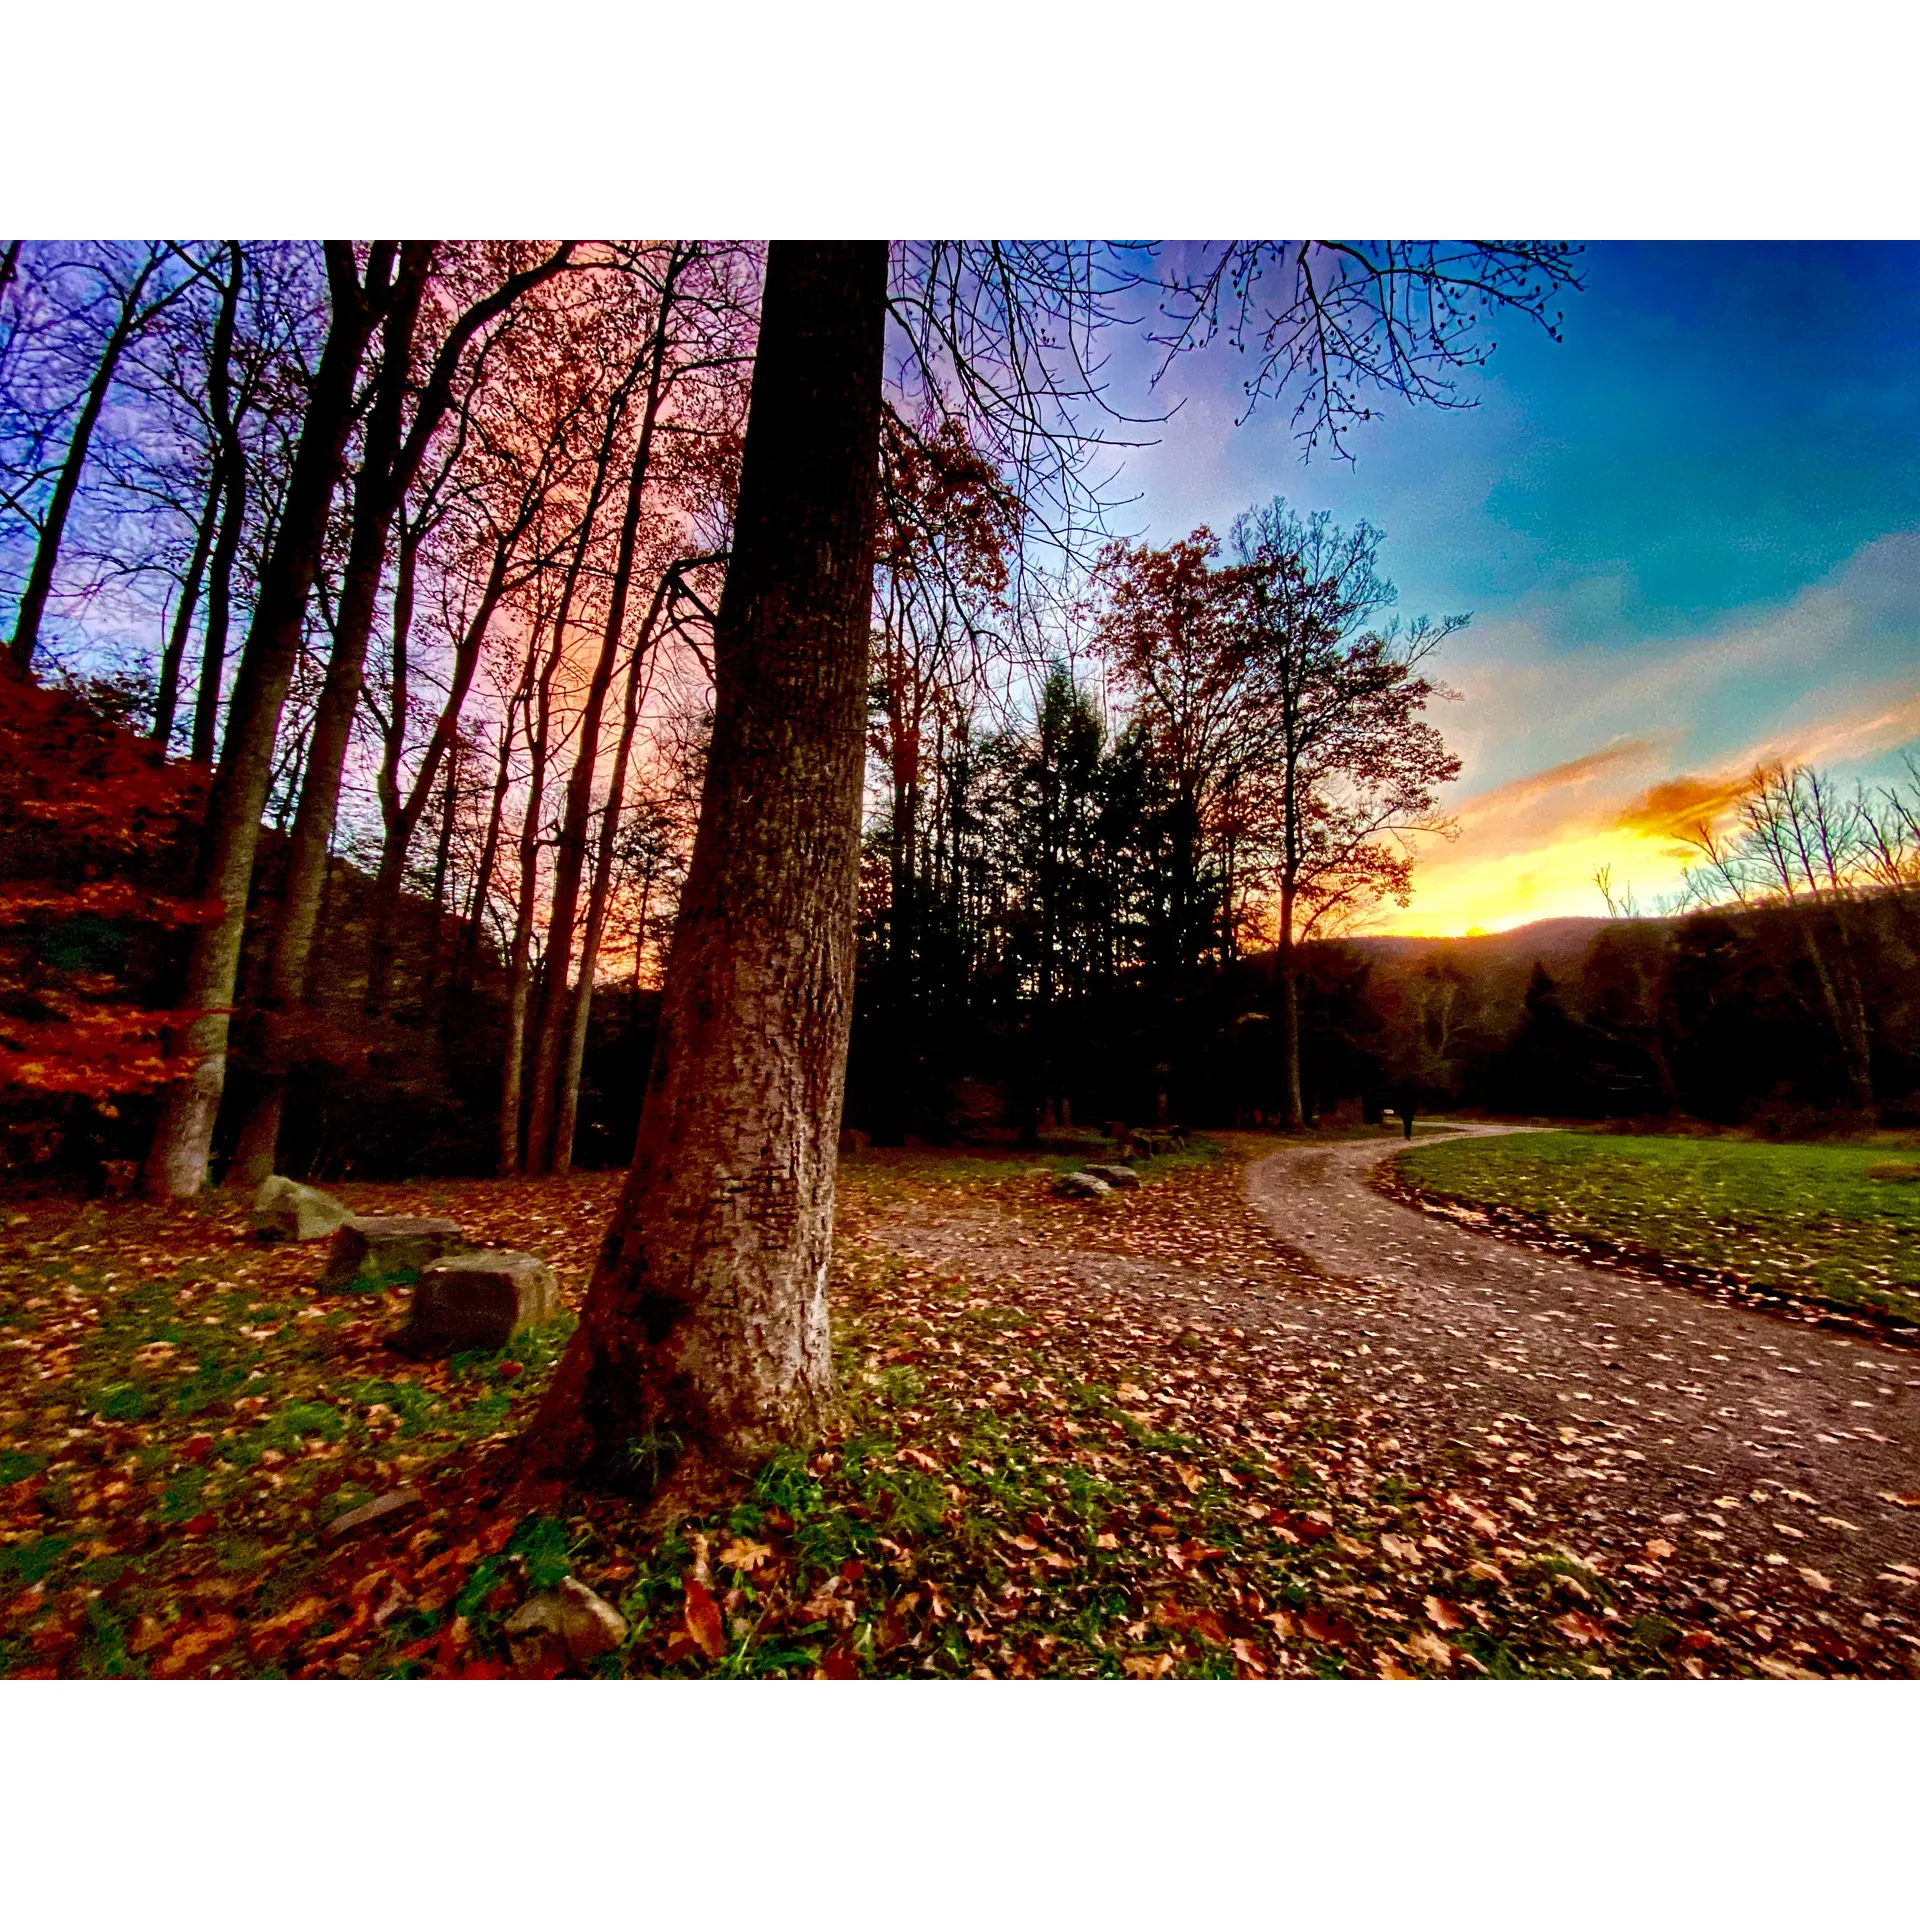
(1818, 1221)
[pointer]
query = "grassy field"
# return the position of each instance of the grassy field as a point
(1830, 1223)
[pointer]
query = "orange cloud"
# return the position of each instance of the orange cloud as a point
(1673, 809)
(1520, 796)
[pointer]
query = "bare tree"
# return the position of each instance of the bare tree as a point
(133, 303)
(1343, 763)
(177, 1161)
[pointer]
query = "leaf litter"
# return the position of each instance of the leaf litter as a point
(1073, 1439)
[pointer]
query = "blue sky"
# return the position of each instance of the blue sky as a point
(1688, 534)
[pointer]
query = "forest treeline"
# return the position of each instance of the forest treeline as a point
(361, 605)
(404, 557)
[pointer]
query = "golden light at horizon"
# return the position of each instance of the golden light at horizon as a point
(1461, 891)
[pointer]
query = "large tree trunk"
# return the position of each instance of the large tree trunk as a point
(46, 555)
(177, 1162)
(705, 1331)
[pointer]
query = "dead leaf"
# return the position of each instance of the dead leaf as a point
(705, 1628)
(1443, 1614)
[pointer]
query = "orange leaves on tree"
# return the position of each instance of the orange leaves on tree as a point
(89, 824)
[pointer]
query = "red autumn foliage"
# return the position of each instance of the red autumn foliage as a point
(90, 815)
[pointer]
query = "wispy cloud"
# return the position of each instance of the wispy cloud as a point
(1808, 682)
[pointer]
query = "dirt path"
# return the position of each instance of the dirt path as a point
(1723, 1468)
(1676, 1416)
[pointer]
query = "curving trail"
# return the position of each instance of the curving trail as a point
(1632, 1407)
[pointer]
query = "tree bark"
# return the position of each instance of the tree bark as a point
(704, 1336)
(177, 1161)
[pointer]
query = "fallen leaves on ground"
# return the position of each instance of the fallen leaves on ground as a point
(1035, 1469)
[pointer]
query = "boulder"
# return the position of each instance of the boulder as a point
(285, 1210)
(1113, 1176)
(375, 1248)
(1081, 1186)
(482, 1299)
(567, 1625)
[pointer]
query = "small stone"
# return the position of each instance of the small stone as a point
(1081, 1186)
(400, 1500)
(569, 1622)
(380, 1247)
(1113, 1176)
(480, 1299)
(285, 1210)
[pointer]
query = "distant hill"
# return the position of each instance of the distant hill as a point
(1553, 943)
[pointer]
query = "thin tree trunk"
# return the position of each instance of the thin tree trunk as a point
(219, 390)
(602, 891)
(442, 860)
(468, 957)
(406, 820)
(46, 555)
(213, 649)
(232, 471)
(311, 842)
(167, 696)
(388, 469)
(375, 502)
(571, 854)
(705, 1327)
(513, 1064)
(177, 1162)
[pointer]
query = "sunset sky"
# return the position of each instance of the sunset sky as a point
(1689, 538)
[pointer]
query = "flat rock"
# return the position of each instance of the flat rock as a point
(568, 1624)
(1113, 1176)
(400, 1500)
(478, 1299)
(387, 1246)
(1081, 1186)
(285, 1210)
